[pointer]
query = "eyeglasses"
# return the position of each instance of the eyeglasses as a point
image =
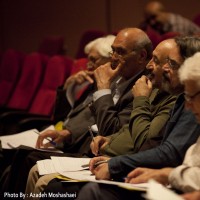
(189, 98)
(120, 54)
(172, 64)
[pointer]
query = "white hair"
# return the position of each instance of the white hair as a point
(190, 69)
(103, 45)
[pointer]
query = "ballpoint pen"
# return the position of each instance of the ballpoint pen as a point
(95, 164)
(50, 140)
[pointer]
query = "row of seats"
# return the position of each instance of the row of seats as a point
(28, 82)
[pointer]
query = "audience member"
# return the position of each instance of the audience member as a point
(185, 177)
(146, 114)
(170, 153)
(134, 49)
(162, 21)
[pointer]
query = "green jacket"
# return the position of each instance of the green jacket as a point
(147, 121)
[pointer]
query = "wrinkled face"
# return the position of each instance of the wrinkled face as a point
(192, 97)
(95, 60)
(163, 67)
(125, 49)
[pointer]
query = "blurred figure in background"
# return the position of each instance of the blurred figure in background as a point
(162, 21)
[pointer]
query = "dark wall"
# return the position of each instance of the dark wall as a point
(24, 23)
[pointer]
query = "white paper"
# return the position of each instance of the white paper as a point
(27, 138)
(66, 164)
(61, 164)
(157, 191)
(45, 167)
(86, 175)
(72, 91)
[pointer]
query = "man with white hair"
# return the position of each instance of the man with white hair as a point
(111, 107)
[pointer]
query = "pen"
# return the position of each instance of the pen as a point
(91, 134)
(96, 164)
(51, 141)
(100, 162)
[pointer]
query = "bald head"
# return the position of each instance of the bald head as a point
(134, 38)
(153, 7)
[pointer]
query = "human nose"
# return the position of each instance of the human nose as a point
(166, 67)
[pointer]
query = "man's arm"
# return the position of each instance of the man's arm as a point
(110, 118)
(149, 117)
(186, 177)
(169, 154)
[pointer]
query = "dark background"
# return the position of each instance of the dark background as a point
(24, 23)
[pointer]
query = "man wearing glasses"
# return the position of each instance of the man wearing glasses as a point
(180, 133)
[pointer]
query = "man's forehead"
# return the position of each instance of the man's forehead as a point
(166, 48)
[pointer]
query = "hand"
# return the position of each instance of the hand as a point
(79, 78)
(191, 196)
(142, 175)
(142, 87)
(98, 143)
(56, 136)
(101, 171)
(104, 75)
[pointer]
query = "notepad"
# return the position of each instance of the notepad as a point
(26, 138)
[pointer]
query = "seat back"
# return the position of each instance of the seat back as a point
(79, 64)
(52, 45)
(87, 37)
(196, 19)
(57, 70)
(10, 70)
(29, 82)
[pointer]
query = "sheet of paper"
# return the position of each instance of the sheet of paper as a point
(27, 138)
(67, 164)
(61, 164)
(45, 167)
(157, 191)
(85, 175)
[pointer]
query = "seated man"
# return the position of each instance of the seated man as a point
(109, 111)
(169, 153)
(186, 177)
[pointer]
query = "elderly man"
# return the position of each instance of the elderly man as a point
(109, 110)
(186, 177)
(150, 113)
(175, 142)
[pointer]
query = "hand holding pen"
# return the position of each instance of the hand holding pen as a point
(54, 137)
(98, 143)
(99, 167)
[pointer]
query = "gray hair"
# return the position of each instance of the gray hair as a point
(190, 69)
(103, 45)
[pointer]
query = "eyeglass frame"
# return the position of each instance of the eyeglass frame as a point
(173, 66)
(189, 98)
(111, 53)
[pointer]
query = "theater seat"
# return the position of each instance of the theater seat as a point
(86, 37)
(52, 45)
(10, 68)
(41, 110)
(30, 79)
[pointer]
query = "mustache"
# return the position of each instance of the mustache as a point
(149, 74)
(166, 77)
(114, 64)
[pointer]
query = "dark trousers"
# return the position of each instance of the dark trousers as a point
(15, 176)
(88, 191)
